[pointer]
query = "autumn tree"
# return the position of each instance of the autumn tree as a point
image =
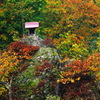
(76, 79)
(13, 15)
(14, 61)
(73, 26)
(79, 77)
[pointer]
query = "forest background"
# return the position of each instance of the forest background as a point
(72, 27)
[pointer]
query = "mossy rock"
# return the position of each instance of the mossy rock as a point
(33, 40)
(45, 53)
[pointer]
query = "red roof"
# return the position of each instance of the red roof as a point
(31, 24)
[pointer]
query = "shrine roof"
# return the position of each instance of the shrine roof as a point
(31, 24)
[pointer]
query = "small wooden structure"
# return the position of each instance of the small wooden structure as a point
(31, 26)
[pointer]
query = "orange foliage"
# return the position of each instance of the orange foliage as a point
(78, 68)
(81, 17)
(78, 77)
(25, 51)
(10, 61)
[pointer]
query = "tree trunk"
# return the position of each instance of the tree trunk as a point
(10, 91)
(8, 86)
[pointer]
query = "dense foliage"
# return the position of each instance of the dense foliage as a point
(13, 15)
(79, 77)
(74, 80)
(14, 61)
(73, 25)
(72, 28)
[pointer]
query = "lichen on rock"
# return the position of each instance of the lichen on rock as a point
(45, 53)
(33, 40)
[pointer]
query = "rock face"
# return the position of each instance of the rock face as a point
(44, 53)
(34, 40)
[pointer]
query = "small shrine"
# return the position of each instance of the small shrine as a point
(31, 26)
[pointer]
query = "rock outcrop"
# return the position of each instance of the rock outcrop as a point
(34, 40)
(44, 53)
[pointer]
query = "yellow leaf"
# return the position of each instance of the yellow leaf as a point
(72, 81)
(78, 78)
